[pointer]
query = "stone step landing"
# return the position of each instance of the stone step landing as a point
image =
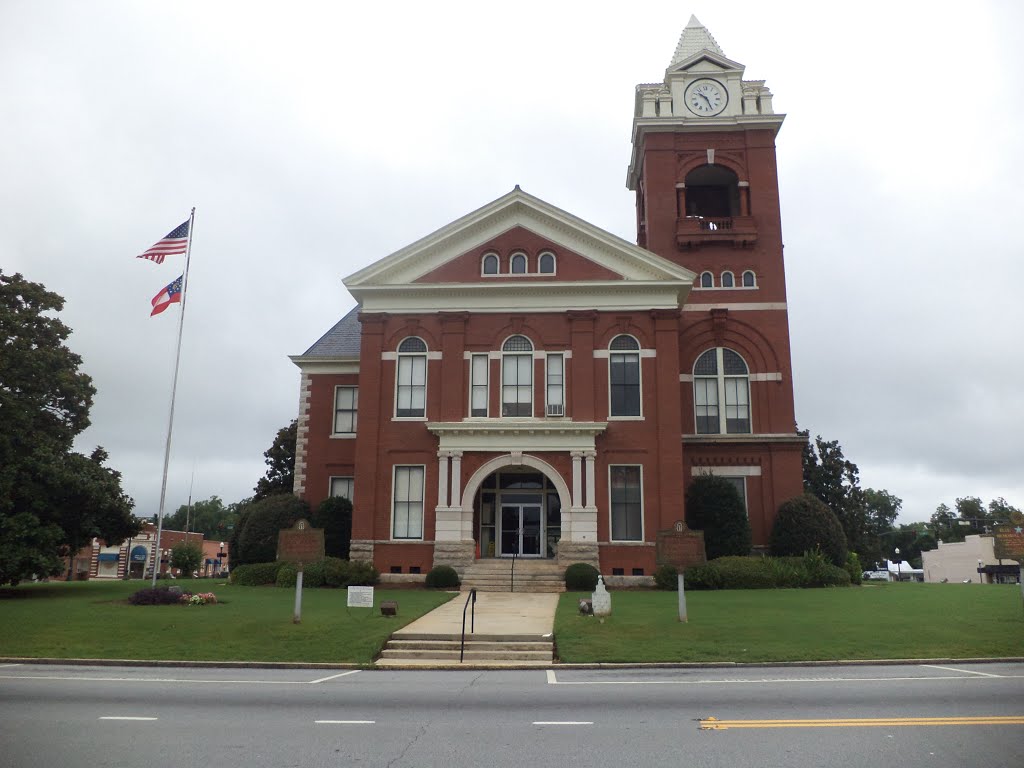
(429, 648)
(495, 575)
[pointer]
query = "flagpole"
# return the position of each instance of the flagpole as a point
(174, 389)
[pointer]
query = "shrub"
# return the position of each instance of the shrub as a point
(313, 574)
(713, 505)
(581, 577)
(287, 575)
(261, 522)
(336, 572)
(811, 570)
(853, 568)
(787, 572)
(334, 515)
(666, 577)
(744, 573)
(255, 574)
(361, 574)
(156, 596)
(804, 524)
(702, 577)
(442, 577)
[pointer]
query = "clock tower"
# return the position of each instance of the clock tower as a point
(703, 168)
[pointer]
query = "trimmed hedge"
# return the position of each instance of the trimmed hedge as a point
(667, 577)
(812, 570)
(581, 577)
(255, 574)
(329, 572)
(714, 506)
(334, 515)
(442, 577)
(805, 523)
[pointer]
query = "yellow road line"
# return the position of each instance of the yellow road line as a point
(713, 724)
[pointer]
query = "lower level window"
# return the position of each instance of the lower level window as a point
(626, 505)
(342, 486)
(407, 510)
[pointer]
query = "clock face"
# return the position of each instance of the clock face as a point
(706, 97)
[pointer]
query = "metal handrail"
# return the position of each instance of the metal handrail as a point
(512, 578)
(472, 621)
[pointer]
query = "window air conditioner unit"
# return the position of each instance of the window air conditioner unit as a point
(556, 409)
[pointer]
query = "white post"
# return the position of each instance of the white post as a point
(456, 479)
(297, 618)
(442, 479)
(590, 501)
(682, 600)
(577, 478)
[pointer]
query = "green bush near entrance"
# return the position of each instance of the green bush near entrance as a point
(442, 577)
(581, 577)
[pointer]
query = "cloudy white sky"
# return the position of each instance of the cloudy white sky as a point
(315, 138)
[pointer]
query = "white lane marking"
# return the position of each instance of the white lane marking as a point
(551, 677)
(332, 677)
(154, 680)
(563, 722)
(962, 671)
(345, 722)
(774, 680)
(128, 718)
(9, 665)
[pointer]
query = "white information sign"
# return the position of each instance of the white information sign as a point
(360, 597)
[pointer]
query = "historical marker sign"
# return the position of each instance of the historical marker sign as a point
(1009, 539)
(360, 597)
(680, 547)
(302, 543)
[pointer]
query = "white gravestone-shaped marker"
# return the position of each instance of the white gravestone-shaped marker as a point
(601, 600)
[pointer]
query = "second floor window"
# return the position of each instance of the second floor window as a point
(721, 393)
(517, 377)
(411, 379)
(346, 407)
(478, 392)
(624, 377)
(556, 384)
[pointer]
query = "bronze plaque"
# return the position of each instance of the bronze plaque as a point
(302, 543)
(680, 547)
(1009, 539)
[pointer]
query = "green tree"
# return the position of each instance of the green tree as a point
(999, 511)
(911, 539)
(805, 524)
(186, 556)
(209, 517)
(882, 509)
(833, 479)
(334, 515)
(280, 458)
(44, 403)
(713, 505)
(944, 525)
(260, 522)
(971, 511)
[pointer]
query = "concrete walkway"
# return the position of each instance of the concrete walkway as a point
(497, 613)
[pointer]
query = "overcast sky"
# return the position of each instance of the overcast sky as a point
(316, 138)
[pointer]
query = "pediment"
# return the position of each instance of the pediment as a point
(704, 61)
(451, 255)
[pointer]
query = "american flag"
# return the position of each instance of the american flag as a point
(173, 243)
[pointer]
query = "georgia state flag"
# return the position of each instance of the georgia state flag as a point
(166, 297)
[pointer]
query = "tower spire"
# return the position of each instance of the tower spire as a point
(695, 38)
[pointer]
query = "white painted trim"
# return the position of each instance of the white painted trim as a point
(720, 288)
(610, 510)
(724, 471)
(344, 436)
(386, 356)
(554, 261)
(720, 380)
(314, 366)
(508, 435)
(510, 460)
(603, 354)
(483, 258)
(423, 502)
(426, 382)
(547, 358)
(688, 377)
(737, 307)
(434, 355)
(640, 371)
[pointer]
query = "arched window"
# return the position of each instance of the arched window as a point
(720, 376)
(624, 376)
(728, 281)
(707, 280)
(517, 376)
(712, 191)
(749, 280)
(411, 379)
(490, 266)
(518, 264)
(546, 265)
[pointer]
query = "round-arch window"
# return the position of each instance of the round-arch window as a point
(519, 264)
(517, 344)
(624, 342)
(413, 344)
(748, 279)
(728, 280)
(547, 263)
(707, 280)
(490, 264)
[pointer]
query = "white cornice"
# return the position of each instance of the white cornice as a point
(512, 435)
(326, 365)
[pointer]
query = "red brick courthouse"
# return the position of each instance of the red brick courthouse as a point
(522, 382)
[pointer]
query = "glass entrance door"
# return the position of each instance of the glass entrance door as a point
(521, 530)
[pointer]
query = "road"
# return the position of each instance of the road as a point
(848, 716)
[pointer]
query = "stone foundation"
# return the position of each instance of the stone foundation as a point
(361, 550)
(570, 552)
(460, 555)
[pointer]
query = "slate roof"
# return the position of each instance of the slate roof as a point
(342, 340)
(694, 39)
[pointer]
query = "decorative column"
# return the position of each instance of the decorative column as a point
(577, 479)
(456, 479)
(442, 479)
(591, 501)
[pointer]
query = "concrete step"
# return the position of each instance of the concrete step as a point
(478, 638)
(476, 645)
(470, 655)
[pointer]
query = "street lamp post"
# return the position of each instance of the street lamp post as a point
(981, 578)
(898, 573)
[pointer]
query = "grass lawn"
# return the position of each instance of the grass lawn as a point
(877, 621)
(93, 620)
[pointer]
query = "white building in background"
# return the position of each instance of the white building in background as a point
(970, 560)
